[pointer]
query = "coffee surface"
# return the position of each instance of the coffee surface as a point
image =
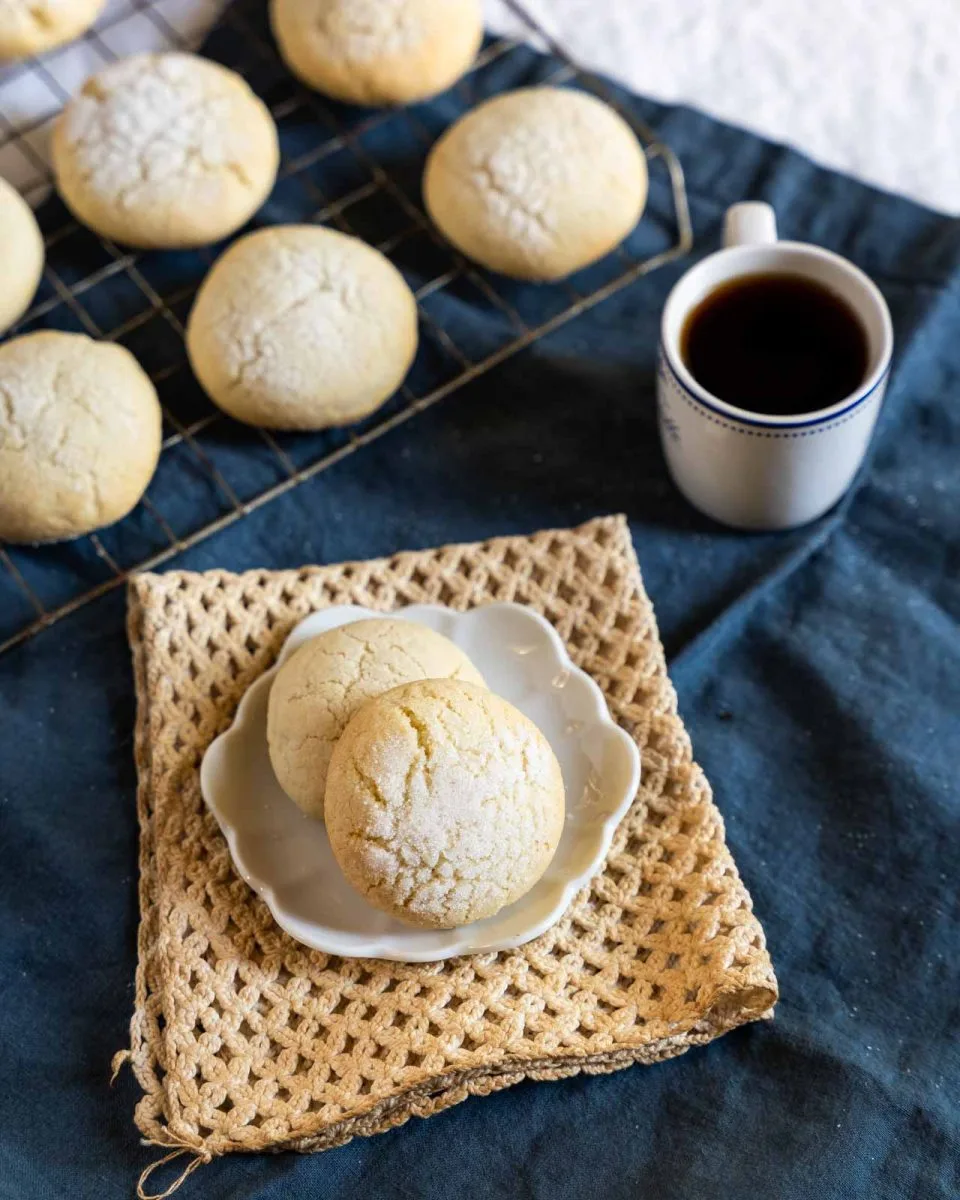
(775, 344)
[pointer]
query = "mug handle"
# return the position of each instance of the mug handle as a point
(751, 223)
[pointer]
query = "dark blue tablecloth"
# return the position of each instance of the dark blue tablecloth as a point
(819, 675)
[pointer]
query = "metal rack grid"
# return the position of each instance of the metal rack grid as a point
(69, 298)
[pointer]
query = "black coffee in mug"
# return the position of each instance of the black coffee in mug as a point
(775, 344)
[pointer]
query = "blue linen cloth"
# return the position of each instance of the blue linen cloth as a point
(818, 673)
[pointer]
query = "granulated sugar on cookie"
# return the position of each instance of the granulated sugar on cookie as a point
(301, 327)
(79, 435)
(378, 51)
(165, 151)
(321, 686)
(537, 183)
(444, 803)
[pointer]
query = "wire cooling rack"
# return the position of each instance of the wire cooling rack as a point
(359, 172)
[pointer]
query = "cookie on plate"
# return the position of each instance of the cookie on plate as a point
(301, 327)
(322, 684)
(378, 51)
(165, 151)
(444, 803)
(79, 435)
(537, 183)
(30, 27)
(21, 255)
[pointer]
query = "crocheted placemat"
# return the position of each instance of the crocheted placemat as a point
(243, 1039)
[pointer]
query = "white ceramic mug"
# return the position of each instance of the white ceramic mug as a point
(748, 469)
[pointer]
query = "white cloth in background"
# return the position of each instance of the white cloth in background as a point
(871, 87)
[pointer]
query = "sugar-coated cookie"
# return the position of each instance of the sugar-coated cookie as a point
(79, 435)
(32, 26)
(165, 150)
(444, 803)
(21, 255)
(319, 688)
(537, 183)
(378, 51)
(300, 327)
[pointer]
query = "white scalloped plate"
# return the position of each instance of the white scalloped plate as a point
(286, 857)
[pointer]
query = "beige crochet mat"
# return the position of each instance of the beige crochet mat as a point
(242, 1039)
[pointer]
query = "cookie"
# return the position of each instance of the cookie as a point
(537, 183)
(30, 27)
(79, 435)
(378, 51)
(165, 151)
(300, 327)
(319, 688)
(21, 253)
(444, 803)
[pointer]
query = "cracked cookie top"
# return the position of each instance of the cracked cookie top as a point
(302, 327)
(319, 688)
(537, 183)
(165, 150)
(80, 433)
(378, 51)
(444, 803)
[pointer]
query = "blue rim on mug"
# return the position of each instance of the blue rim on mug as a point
(700, 396)
(822, 417)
